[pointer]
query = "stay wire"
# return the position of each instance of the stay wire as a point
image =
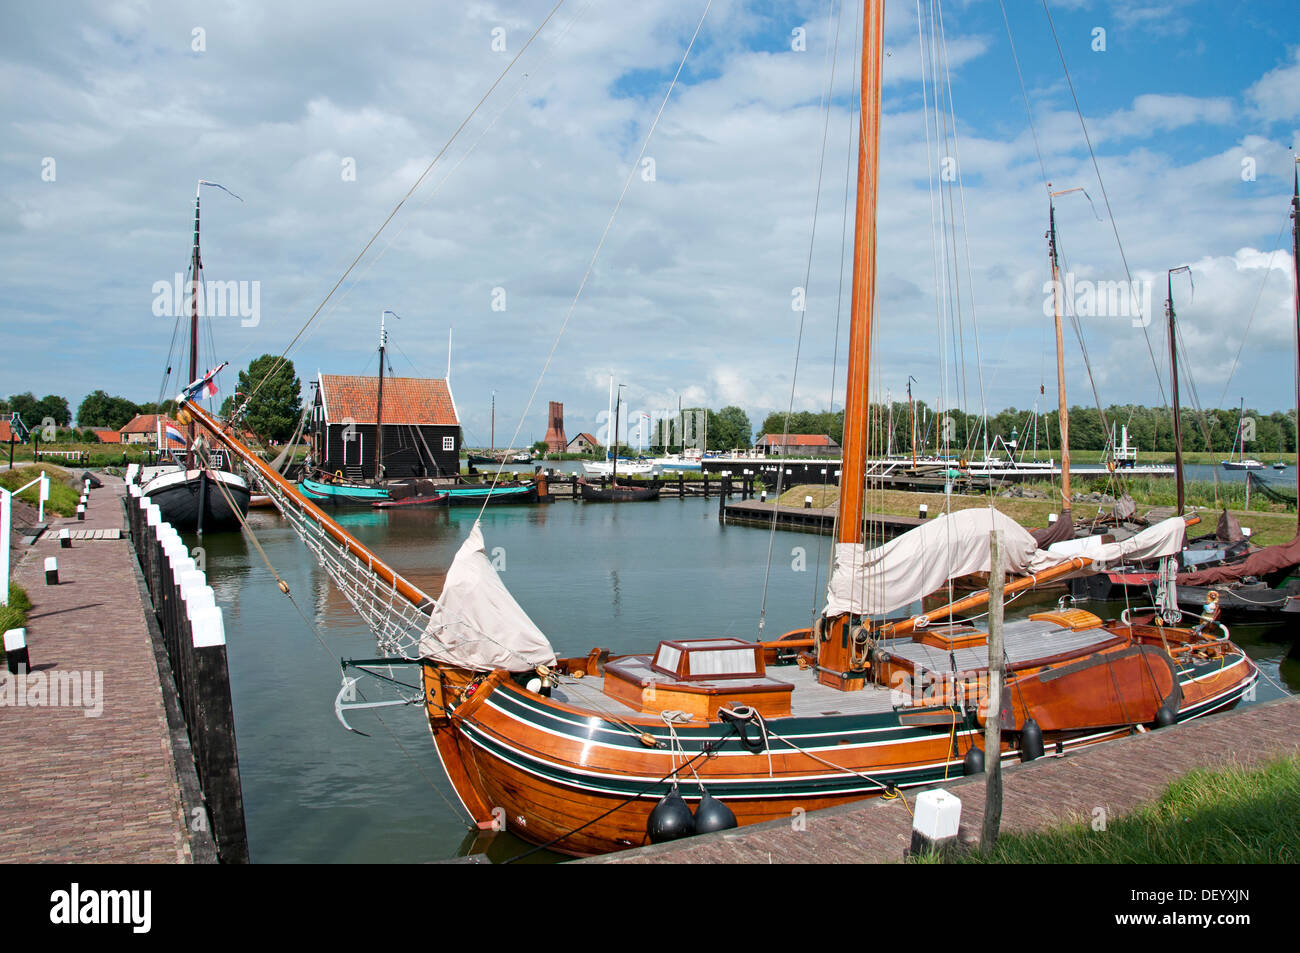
(429, 168)
(636, 164)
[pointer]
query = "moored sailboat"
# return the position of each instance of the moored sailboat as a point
(197, 495)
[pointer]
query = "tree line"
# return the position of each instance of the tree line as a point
(1150, 429)
(272, 413)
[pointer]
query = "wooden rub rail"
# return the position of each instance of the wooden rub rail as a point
(194, 636)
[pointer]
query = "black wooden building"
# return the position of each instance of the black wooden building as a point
(421, 429)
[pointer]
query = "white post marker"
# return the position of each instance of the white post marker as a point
(16, 651)
(51, 571)
(42, 497)
(65, 538)
(5, 498)
(925, 511)
(936, 817)
(208, 628)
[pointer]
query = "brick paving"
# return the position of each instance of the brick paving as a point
(1118, 776)
(74, 788)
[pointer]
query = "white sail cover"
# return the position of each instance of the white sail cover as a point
(476, 623)
(878, 581)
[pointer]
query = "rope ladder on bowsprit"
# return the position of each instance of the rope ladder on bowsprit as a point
(396, 621)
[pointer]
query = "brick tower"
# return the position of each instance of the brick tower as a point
(556, 442)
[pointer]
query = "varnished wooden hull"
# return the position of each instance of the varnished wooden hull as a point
(585, 784)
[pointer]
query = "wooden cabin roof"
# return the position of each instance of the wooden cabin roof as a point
(421, 402)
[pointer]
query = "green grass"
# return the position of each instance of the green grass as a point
(64, 491)
(1232, 816)
(1274, 524)
(14, 615)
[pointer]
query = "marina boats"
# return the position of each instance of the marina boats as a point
(596, 752)
(200, 493)
(1242, 462)
(617, 492)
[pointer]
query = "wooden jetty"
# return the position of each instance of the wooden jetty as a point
(117, 787)
(678, 486)
(1116, 777)
(811, 519)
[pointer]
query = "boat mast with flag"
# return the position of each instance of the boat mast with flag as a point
(201, 494)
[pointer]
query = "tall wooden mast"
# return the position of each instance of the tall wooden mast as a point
(835, 651)
(196, 265)
(379, 403)
(1295, 274)
(1173, 374)
(1063, 411)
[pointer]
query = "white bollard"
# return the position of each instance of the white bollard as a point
(925, 511)
(65, 538)
(208, 628)
(935, 820)
(16, 656)
(51, 571)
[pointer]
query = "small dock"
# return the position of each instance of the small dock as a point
(81, 786)
(678, 486)
(1117, 776)
(812, 519)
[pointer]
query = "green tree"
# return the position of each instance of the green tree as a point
(274, 397)
(101, 410)
(729, 429)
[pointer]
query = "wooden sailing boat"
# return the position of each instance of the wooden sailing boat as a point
(195, 496)
(616, 493)
(577, 753)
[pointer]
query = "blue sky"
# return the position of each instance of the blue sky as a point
(691, 295)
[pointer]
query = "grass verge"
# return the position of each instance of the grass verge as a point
(14, 615)
(1230, 816)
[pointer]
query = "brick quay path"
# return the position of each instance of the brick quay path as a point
(105, 789)
(1118, 776)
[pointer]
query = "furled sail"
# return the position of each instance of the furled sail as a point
(878, 581)
(476, 623)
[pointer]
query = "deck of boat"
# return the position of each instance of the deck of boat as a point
(1024, 640)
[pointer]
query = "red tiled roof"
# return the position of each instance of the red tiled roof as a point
(422, 402)
(6, 432)
(107, 434)
(796, 440)
(146, 423)
(587, 437)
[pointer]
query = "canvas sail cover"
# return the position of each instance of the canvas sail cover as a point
(921, 561)
(476, 623)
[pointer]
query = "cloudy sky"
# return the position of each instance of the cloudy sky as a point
(322, 116)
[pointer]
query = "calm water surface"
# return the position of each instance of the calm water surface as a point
(621, 577)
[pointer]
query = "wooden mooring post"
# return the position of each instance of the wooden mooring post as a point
(193, 635)
(993, 699)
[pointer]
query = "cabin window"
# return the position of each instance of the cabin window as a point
(668, 657)
(449, 443)
(723, 662)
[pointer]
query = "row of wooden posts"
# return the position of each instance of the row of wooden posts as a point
(193, 633)
(723, 486)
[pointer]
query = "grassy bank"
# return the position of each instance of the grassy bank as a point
(64, 493)
(14, 615)
(1274, 525)
(1233, 816)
